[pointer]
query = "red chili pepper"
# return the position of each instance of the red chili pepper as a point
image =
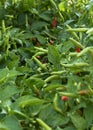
(78, 50)
(64, 98)
(54, 22)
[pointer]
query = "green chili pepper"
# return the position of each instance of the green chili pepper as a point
(91, 128)
(33, 101)
(55, 103)
(41, 49)
(84, 51)
(36, 90)
(91, 90)
(68, 94)
(77, 29)
(43, 124)
(51, 78)
(54, 4)
(3, 27)
(9, 16)
(26, 17)
(76, 43)
(81, 64)
(49, 35)
(22, 114)
(73, 33)
(40, 53)
(80, 35)
(58, 72)
(61, 16)
(53, 87)
(90, 31)
(73, 54)
(14, 1)
(42, 66)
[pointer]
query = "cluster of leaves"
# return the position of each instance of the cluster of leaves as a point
(46, 65)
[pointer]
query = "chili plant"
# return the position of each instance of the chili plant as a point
(46, 65)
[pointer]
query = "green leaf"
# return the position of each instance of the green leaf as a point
(27, 4)
(24, 69)
(65, 47)
(41, 39)
(47, 115)
(2, 127)
(69, 128)
(10, 123)
(13, 61)
(54, 56)
(62, 6)
(34, 109)
(33, 101)
(88, 112)
(38, 25)
(6, 74)
(78, 121)
(3, 74)
(45, 16)
(28, 100)
(53, 87)
(35, 81)
(7, 91)
(13, 73)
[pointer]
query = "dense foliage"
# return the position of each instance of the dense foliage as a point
(46, 65)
